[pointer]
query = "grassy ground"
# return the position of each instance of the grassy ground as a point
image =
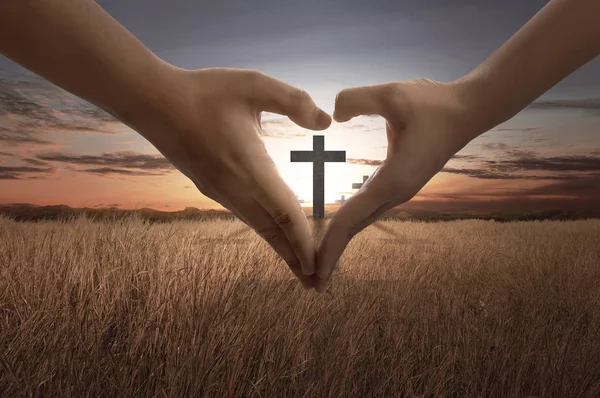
(466, 308)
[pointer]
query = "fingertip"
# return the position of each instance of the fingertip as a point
(306, 286)
(308, 254)
(329, 252)
(307, 282)
(323, 271)
(323, 120)
(357, 101)
(339, 118)
(339, 107)
(307, 268)
(326, 263)
(322, 285)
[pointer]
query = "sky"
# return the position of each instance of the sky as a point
(58, 149)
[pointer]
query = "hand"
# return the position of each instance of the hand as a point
(212, 135)
(206, 122)
(426, 126)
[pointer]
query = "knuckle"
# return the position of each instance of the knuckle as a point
(270, 233)
(397, 102)
(283, 218)
(423, 81)
(352, 232)
(252, 74)
(298, 98)
(285, 221)
(293, 263)
(348, 229)
(393, 91)
(253, 79)
(341, 97)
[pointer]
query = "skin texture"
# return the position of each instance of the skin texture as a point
(205, 122)
(428, 121)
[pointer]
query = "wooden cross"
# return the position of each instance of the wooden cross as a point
(342, 200)
(358, 185)
(318, 156)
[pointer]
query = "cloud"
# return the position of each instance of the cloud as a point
(12, 102)
(491, 175)
(521, 165)
(112, 170)
(34, 97)
(85, 109)
(459, 156)
(479, 173)
(124, 163)
(17, 137)
(517, 165)
(32, 108)
(362, 124)
(23, 172)
(528, 162)
(588, 186)
(520, 129)
(495, 146)
(281, 128)
(34, 162)
(377, 162)
(592, 104)
(366, 162)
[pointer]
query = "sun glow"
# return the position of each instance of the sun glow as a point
(338, 180)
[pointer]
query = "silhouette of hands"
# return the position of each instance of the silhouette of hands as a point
(426, 126)
(215, 141)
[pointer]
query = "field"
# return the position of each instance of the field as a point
(452, 309)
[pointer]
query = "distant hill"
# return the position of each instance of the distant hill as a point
(32, 212)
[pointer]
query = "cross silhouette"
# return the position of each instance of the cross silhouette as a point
(358, 185)
(342, 200)
(318, 156)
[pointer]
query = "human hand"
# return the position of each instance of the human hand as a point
(426, 125)
(211, 133)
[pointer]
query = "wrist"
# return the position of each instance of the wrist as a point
(481, 106)
(153, 101)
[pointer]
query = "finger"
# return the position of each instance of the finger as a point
(322, 283)
(272, 95)
(261, 221)
(373, 199)
(220, 199)
(279, 201)
(366, 100)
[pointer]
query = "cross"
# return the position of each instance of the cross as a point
(318, 156)
(342, 200)
(358, 185)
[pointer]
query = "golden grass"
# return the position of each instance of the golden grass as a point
(466, 308)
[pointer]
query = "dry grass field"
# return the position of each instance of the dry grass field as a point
(454, 309)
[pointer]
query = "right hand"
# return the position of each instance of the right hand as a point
(212, 134)
(427, 124)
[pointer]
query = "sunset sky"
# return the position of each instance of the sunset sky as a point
(58, 149)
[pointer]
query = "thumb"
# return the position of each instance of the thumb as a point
(366, 100)
(272, 95)
(361, 210)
